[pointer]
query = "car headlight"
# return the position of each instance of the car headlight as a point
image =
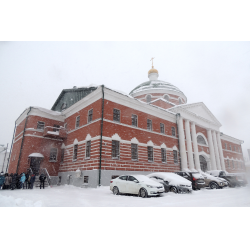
(149, 186)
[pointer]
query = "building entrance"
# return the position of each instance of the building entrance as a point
(35, 164)
(203, 163)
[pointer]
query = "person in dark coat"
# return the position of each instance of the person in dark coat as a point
(26, 185)
(7, 181)
(18, 184)
(42, 180)
(2, 179)
(32, 180)
(13, 182)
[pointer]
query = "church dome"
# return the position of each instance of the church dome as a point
(153, 70)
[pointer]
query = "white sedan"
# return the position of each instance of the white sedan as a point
(136, 184)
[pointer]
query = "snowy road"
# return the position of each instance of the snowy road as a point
(70, 196)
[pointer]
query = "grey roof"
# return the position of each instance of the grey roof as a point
(155, 84)
(68, 97)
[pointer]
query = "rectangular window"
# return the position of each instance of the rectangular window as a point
(175, 156)
(234, 148)
(90, 115)
(134, 151)
(150, 154)
(149, 124)
(228, 164)
(88, 147)
(134, 120)
(116, 115)
(56, 128)
(225, 146)
(85, 179)
(77, 121)
(163, 155)
(62, 155)
(230, 147)
(162, 128)
(173, 131)
(115, 149)
(75, 152)
(40, 125)
(53, 154)
(232, 164)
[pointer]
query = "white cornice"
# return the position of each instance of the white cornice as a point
(231, 139)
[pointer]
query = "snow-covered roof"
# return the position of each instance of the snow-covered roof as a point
(155, 84)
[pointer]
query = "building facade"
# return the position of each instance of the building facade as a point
(93, 134)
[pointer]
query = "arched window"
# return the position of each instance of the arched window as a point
(148, 98)
(166, 97)
(201, 140)
(180, 101)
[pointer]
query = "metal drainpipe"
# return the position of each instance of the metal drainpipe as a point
(7, 167)
(22, 142)
(177, 115)
(100, 164)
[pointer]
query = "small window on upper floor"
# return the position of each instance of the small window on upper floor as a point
(148, 98)
(234, 148)
(56, 128)
(149, 125)
(40, 125)
(134, 120)
(162, 128)
(116, 115)
(230, 147)
(173, 131)
(90, 115)
(225, 146)
(77, 121)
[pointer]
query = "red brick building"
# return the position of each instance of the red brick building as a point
(94, 133)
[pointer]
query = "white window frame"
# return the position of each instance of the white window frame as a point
(74, 152)
(86, 150)
(136, 120)
(120, 115)
(88, 116)
(151, 124)
(40, 128)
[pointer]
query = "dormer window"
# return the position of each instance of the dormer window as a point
(148, 98)
(64, 106)
(166, 97)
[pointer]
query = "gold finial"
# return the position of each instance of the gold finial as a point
(152, 62)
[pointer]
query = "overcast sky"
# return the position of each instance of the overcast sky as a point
(216, 73)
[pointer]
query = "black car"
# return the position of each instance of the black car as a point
(230, 178)
(195, 177)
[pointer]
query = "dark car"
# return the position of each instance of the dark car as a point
(230, 178)
(195, 177)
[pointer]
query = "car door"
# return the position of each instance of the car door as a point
(121, 183)
(132, 187)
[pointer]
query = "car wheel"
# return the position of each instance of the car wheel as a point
(174, 190)
(143, 193)
(116, 190)
(213, 185)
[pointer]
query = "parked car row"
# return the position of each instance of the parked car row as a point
(179, 182)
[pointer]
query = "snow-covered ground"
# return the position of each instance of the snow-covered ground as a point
(70, 196)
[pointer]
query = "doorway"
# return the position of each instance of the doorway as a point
(203, 163)
(35, 165)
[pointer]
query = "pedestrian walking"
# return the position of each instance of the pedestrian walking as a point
(7, 181)
(22, 180)
(32, 180)
(42, 180)
(2, 179)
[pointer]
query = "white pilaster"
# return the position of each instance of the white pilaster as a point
(189, 145)
(222, 162)
(182, 143)
(216, 150)
(211, 149)
(196, 153)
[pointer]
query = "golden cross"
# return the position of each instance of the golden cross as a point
(152, 61)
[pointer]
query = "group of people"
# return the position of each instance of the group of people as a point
(20, 181)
